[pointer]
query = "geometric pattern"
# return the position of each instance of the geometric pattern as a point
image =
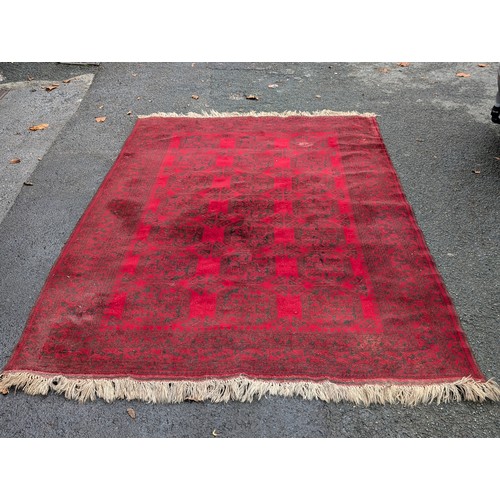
(270, 247)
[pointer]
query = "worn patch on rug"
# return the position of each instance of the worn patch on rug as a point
(229, 257)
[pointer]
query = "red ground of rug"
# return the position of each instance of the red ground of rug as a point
(276, 248)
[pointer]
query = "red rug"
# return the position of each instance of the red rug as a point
(231, 257)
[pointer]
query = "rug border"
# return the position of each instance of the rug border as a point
(235, 114)
(463, 337)
(245, 389)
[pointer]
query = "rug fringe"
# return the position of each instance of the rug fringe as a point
(230, 114)
(245, 389)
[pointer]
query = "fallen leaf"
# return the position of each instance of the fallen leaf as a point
(14, 161)
(483, 65)
(134, 74)
(215, 433)
(419, 140)
(251, 97)
(139, 98)
(476, 171)
(195, 97)
(100, 119)
(5, 391)
(131, 413)
(67, 81)
(463, 75)
(29, 78)
(129, 113)
(317, 96)
(273, 85)
(52, 87)
(101, 106)
(27, 183)
(39, 159)
(404, 64)
(383, 70)
(42, 126)
(497, 158)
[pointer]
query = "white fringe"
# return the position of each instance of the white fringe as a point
(230, 114)
(245, 389)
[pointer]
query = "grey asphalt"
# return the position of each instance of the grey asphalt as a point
(445, 150)
(26, 104)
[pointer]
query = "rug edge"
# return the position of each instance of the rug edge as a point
(245, 389)
(232, 114)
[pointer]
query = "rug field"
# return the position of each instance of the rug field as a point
(229, 257)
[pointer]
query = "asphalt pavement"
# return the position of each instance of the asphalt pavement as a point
(446, 151)
(25, 135)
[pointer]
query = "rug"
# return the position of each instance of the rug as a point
(230, 257)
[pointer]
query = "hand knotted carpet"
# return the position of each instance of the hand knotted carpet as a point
(234, 256)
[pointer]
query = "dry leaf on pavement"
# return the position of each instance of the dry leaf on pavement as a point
(463, 75)
(67, 81)
(15, 160)
(100, 119)
(195, 97)
(383, 70)
(404, 64)
(27, 183)
(131, 412)
(476, 171)
(5, 391)
(482, 65)
(42, 126)
(273, 85)
(252, 97)
(52, 87)
(215, 433)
